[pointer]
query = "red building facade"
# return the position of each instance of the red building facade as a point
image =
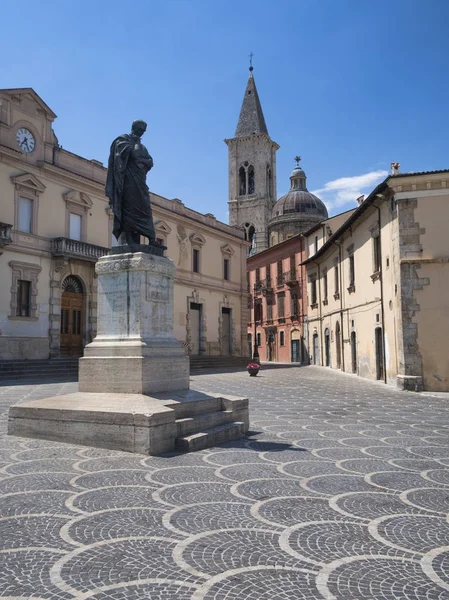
(277, 288)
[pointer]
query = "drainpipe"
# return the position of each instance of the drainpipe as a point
(382, 309)
(340, 276)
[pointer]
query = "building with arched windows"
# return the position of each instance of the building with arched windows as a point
(55, 223)
(252, 171)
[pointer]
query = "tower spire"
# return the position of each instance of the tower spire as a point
(251, 119)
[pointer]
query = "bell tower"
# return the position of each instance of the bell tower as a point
(252, 170)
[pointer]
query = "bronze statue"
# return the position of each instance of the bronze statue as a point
(126, 188)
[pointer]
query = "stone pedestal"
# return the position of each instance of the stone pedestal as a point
(134, 355)
(135, 351)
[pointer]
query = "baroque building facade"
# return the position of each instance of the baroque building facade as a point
(55, 223)
(378, 285)
(277, 287)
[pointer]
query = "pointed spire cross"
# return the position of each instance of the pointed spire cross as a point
(251, 68)
(297, 159)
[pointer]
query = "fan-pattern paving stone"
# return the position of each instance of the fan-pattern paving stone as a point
(340, 491)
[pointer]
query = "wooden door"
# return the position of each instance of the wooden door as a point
(71, 324)
(226, 331)
(195, 327)
(316, 360)
(379, 353)
(295, 351)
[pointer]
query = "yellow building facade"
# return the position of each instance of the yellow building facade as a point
(378, 285)
(55, 223)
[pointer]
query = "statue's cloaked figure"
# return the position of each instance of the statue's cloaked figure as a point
(126, 188)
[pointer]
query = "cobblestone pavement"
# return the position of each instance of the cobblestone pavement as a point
(340, 492)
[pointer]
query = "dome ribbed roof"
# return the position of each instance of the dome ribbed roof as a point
(299, 199)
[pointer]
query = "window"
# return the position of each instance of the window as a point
(325, 287)
(75, 227)
(313, 294)
(251, 182)
(24, 290)
(351, 271)
(160, 241)
(336, 280)
(281, 305)
(23, 298)
(196, 260)
(279, 272)
(350, 251)
(282, 338)
(25, 220)
(376, 254)
(269, 311)
(268, 276)
(258, 312)
(292, 268)
(242, 181)
(257, 275)
(259, 339)
(294, 305)
(316, 244)
(226, 269)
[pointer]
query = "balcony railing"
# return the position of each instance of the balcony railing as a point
(263, 286)
(290, 277)
(74, 248)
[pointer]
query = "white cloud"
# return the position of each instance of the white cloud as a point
(345, 190)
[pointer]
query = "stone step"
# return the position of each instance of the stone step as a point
(38, 369)
(217, 362)
(190, 425)
(211, 437)
(197, 407)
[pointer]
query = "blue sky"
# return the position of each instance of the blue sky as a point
(350, 85)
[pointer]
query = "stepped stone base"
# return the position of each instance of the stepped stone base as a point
(133, 422)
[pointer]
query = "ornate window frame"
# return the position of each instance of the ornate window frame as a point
(27, 272)
(162, 230)
(197, 241)
(30, 187)
(77, 203)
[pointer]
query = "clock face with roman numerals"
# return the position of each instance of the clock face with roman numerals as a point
(25, 140)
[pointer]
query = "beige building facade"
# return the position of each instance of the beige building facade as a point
(55, 223)
(378, 285)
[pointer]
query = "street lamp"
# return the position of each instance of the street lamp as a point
(256, 348)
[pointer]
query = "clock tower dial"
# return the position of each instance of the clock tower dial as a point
(25, 140)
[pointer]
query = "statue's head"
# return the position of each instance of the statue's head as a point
(138, 127)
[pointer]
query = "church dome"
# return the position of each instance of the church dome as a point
(298, 199)
(297, 211)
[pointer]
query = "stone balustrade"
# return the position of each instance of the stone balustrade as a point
(74, 248)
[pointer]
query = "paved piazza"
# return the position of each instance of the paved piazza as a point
(340, 492)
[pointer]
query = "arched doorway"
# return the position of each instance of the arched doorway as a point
(354, 351)
(316, 360)
(327, 347)
(295, 346)
(72, 317)
(338, 344)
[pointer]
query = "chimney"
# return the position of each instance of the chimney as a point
(360, 199)
(395, 168)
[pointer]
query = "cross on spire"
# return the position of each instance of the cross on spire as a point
(251, 68)
(297, 159)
